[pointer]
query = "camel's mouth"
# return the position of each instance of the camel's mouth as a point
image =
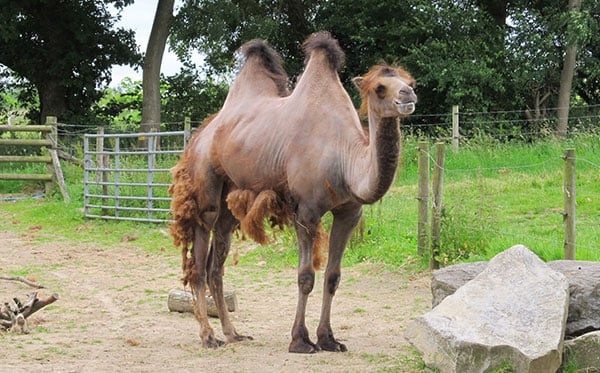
(405, 107)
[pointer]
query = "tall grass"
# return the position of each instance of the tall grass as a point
(496, 195)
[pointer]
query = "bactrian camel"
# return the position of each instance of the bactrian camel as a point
(290, 158)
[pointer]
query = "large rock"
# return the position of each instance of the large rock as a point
(447, 280)
(513, 312)
(584, 286)
(584, 352)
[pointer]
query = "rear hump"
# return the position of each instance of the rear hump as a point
(270, 60)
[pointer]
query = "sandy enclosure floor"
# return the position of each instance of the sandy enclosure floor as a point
(112, 314)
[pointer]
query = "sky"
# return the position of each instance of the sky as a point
(138, 17)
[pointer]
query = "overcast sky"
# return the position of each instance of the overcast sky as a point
(139, 17)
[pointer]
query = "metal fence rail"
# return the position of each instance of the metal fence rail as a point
(124, 182)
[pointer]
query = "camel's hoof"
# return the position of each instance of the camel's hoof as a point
(332, 345)
(239, 338)
(212, 342)
(303, 347)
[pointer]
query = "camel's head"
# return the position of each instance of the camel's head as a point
(388, 91)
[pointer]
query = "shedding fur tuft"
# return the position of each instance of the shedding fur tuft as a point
(184, 207)
(251, 209)
(185, 211)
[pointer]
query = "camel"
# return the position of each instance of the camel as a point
(289, 157)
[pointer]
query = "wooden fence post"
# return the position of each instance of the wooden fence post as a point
(49, 185)
(455, 128)
(102, 164)
(187, 130)
(423, 198)
(54, 167)
(569, 216)
(436, 217)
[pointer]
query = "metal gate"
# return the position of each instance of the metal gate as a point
(124, 182)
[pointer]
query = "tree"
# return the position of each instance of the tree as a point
(151, 105)
(65, 49)
(496, 55)
(188, 95)
(217, 28)
(567, 72)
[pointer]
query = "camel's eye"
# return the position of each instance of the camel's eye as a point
(380, 90)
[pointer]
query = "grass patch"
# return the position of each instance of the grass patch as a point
(495, 196)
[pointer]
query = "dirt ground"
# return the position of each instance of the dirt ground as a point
(112, 314)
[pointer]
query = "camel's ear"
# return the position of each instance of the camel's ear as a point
(358, 82)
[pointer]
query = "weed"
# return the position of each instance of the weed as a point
(505, 367)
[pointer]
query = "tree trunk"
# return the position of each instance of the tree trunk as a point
(52, 99)
(151, 70)
(566, 80)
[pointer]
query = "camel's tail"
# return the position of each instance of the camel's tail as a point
(323, 40)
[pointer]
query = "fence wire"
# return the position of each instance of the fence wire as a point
(474, 214)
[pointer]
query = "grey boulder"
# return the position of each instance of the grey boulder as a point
(513, 312)
(584, 288)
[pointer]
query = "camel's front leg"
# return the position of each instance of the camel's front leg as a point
(220, 248)
(200, 252)
(344, 222)
(306, 231)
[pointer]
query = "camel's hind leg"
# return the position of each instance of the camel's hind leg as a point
(209, 210)
(344, 221)
(220, 244)
(201, 253)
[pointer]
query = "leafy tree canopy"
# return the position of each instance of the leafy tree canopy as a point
(482, 55)
(64, 49)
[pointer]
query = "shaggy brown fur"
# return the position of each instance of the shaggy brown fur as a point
(184, 207)
(252, 210)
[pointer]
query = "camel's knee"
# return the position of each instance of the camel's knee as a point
(333, 281)
(209, 217)
(306, 281)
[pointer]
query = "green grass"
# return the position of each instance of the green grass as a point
(495, 196)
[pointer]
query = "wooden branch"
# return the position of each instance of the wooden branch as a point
(23, 280)
(13, 315)
(182, 301)
(38, 304)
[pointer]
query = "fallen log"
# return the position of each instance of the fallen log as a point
(182, 301)
(14, 314)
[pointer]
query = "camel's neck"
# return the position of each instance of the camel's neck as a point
(375, 172)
